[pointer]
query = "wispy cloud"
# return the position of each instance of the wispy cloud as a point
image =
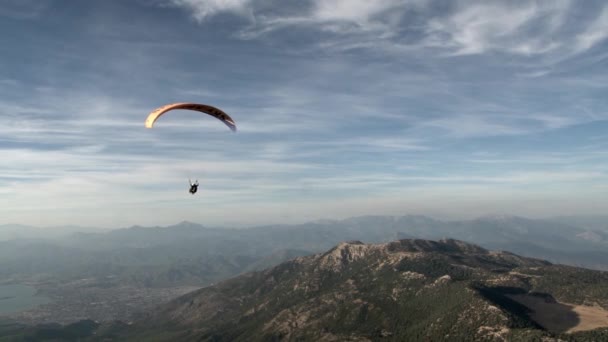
(337, 17)
(593, 34)
(480, 27)
(203, 9)
(461, 28)
(476, 125)
(357, 11)
(352, 106)
(23, 9)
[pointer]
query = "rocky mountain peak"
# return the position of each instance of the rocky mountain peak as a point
(347, 252)
(343, 254)
(407, 289)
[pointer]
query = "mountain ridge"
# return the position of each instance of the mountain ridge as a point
(557, 242)
(410, 288)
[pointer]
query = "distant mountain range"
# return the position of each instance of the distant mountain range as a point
(20, 231)
(191, 255)
(405, 290)
(551, 240)
(596, 222)
(188, 245)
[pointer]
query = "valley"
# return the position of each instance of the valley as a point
(123, 276)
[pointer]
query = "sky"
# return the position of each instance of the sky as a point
(344, 108)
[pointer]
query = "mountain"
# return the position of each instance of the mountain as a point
(596, 222)
(177, 255)
(17, 231)
(548, 239)
(139, 267)
(406, 290)
(554, 241)
(20, 231)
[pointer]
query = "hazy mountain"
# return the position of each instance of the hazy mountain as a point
(185, 244)
(550, 240)
(587, 222)
(19, 231)
(407, 290)
(158, 263)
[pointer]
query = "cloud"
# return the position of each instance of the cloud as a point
(372, 144)
(24, 9)
(90, 174)
(470, 125)
(485, 26)
(336, 17)
(203, 9)
(596, 32)
(526, 28)
(360, 12)
(583, 158)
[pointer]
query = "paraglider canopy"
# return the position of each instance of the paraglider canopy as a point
(213, 111)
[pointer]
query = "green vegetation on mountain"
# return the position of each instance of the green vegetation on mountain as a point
(113, 275)
(404, 290)
(10, 331)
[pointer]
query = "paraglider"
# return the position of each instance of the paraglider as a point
(213, 111)
(193, 186)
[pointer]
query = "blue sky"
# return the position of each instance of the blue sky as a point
(344, 107)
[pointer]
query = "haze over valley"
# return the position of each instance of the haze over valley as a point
(129, 283)
(116, 274)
